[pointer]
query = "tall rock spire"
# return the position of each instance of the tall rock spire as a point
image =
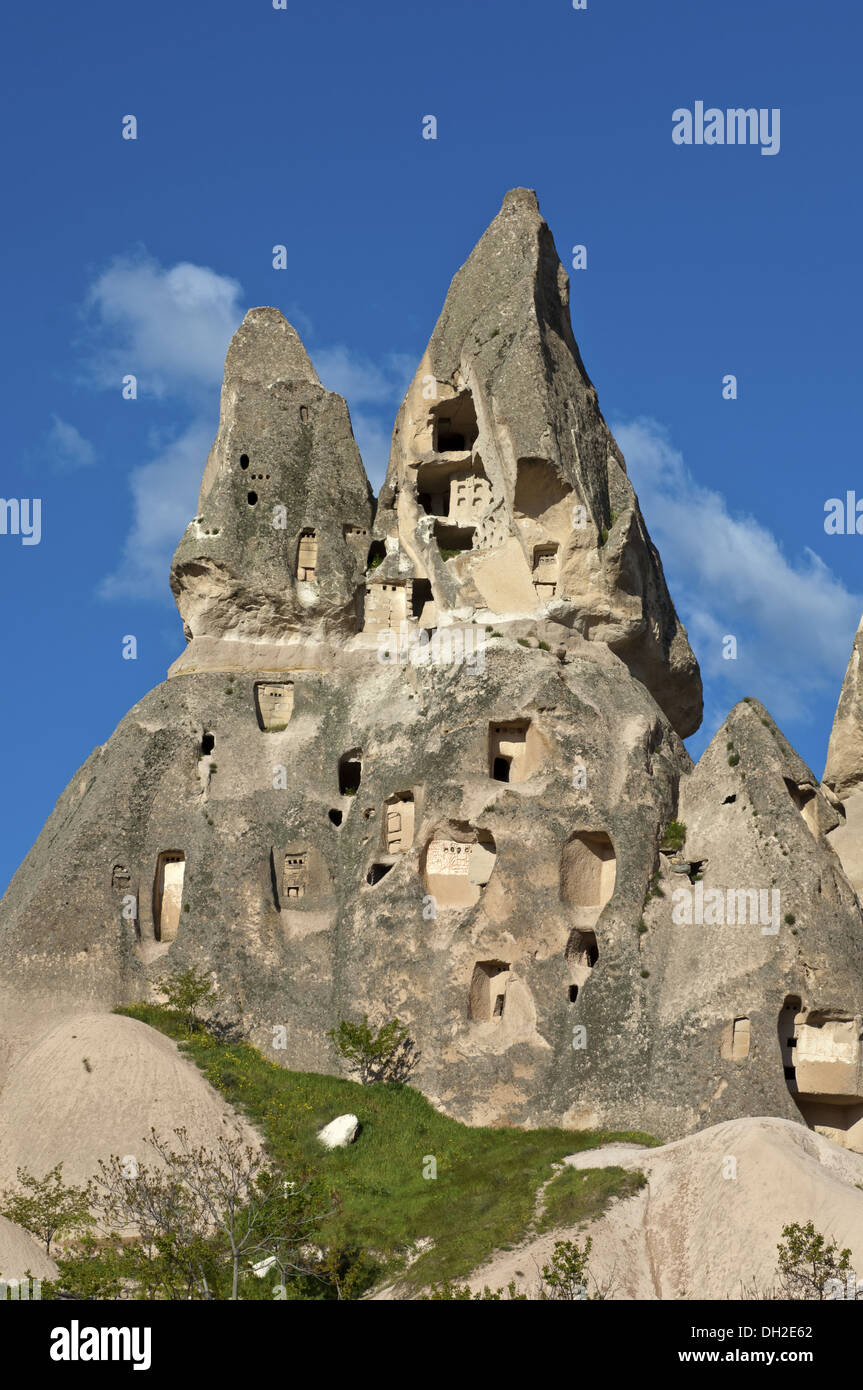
(844, 769)
(279, 544)
(506, 493)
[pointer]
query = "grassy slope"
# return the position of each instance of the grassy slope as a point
(482, 1198)
(581, 1194)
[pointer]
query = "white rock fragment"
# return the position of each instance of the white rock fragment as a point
(339, 1132)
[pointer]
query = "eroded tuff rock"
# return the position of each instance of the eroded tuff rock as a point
(843, 774)
(422, 763)
(760, 969)
(844, 768)
(283, 472)
(506, 493)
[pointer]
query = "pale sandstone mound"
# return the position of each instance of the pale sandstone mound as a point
(21, 1254)
(707, 1224)
(94, 1086)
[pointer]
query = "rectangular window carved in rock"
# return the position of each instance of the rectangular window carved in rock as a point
(587, 875)
(545, 570)
(307, 556)
(514, 750)
(399, 823)
(735, 1040)
(168, 894)
(488, 990)
(455, 424)
(296, 875)
(275, 703)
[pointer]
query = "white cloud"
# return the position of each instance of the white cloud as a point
(374, 392)
(373, 440)
(793, 618)
(68, 446)
(361, 381)
(165, 494)
(169, 327)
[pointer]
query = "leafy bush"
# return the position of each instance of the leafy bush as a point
(386, 1055)
(46, 1207)
(809, 1264)
(185, 991)
(675, 835)
(441, 1292)
(565, 1277)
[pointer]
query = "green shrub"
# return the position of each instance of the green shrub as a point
(809, 1264)
(185, 991)
(675, 835)
(386, 1055)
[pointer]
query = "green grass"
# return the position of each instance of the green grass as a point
(582, 1194)
(482, 1198)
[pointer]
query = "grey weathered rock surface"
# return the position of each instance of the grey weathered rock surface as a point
(503, 377)
(843, 774)
(283, 463)
(756, 820)
(844, 769)
(420, 762)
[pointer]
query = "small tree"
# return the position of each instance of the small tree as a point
(203, 1215)
(565, 1276)
(386, 1055)
(186, 991)
(808, 1262)
(46, 1207)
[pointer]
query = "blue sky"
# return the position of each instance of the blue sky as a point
(302, 126)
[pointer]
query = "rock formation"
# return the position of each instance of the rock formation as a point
(710, 1216)
(419, 758)
(843, 774)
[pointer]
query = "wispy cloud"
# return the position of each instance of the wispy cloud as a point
(164, 492)
(793, 618)
(67, 446)
(362, 381)
(169, 327)
(373, 391)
